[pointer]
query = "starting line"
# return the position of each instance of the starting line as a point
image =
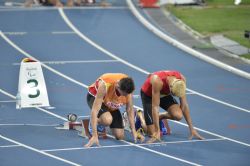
(10, 146)
(129, 145)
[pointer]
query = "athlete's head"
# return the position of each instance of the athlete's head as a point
(126, 85)
(178, 87)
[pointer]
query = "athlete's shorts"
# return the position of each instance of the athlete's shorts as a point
(116, 115)
(165, 103)
(45, 2)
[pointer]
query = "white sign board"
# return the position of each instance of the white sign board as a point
(32, 91)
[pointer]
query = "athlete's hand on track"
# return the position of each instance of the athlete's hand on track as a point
(194, 133)
(93, 140)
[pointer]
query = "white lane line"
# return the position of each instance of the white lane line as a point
(81, 35)
(190, 93)
(10, 4)
(10, 146)
(127, 145)
(63, 32)
(53, 32)
(39, 151)
(15, 33)
(73, 62)
(7, 101)
(23, 124)
(43, 8)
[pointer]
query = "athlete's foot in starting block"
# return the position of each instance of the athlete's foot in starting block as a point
(87, 130)
(154, 138)
(164, 127)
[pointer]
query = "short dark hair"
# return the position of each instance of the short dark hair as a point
(127, 85)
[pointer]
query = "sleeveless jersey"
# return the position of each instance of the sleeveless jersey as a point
(110, 100)
(147, 86)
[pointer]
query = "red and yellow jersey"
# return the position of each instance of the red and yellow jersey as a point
(110, 100)
(147, 86)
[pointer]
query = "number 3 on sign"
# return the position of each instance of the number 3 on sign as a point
(34, 88)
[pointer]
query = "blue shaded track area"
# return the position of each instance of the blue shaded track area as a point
(80, 45)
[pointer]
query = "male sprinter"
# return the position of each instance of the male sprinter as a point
(106, 95)
(159, 90)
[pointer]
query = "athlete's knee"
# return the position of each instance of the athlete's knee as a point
(175, 112)
(119, 136)
(177, 116)
(106, 119)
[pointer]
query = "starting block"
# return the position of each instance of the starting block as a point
(70, 126)
(82, 128)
